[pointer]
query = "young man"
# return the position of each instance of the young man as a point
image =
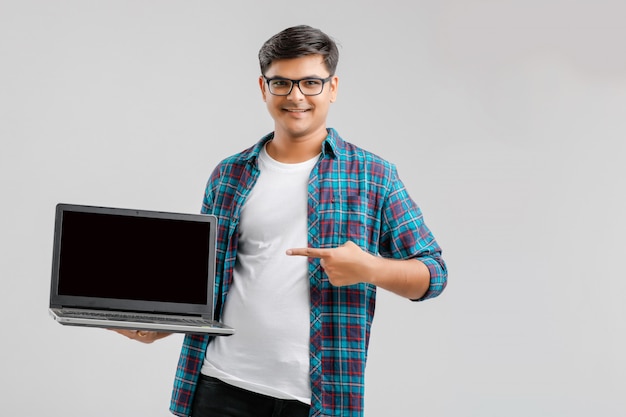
(309, 226)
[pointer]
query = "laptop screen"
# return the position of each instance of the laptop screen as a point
(133, 259)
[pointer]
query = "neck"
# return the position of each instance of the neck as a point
(292, 150)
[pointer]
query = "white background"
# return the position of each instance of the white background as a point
(506, 119)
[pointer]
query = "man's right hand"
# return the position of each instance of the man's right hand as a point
(143, 336)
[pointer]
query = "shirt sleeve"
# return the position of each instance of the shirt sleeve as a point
(405, 235)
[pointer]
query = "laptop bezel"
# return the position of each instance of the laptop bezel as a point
(77, 302)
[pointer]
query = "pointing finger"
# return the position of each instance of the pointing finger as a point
(310, 252)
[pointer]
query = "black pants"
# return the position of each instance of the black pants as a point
(215, 398)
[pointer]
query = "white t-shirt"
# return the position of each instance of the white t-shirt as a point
(268, 302)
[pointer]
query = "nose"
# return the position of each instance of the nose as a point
(296, 94)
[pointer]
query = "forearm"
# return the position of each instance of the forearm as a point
(408, 278)
(348, 264)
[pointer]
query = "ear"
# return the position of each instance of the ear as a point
(334, 83)
(263, 87)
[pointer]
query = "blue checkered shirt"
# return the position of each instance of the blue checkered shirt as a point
(352, 195)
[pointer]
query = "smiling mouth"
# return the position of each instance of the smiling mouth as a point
(296, 110)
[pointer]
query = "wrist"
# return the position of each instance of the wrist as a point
(375, 267)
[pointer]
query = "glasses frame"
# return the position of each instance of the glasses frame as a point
(297, 82)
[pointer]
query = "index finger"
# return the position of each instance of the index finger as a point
(310, 252)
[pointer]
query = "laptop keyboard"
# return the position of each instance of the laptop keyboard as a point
(136, 317)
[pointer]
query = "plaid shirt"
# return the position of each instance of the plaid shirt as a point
(353, 195)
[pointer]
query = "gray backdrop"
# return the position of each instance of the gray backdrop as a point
(506, 120)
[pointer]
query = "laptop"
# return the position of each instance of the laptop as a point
(122, 268)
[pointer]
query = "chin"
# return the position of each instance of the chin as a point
(298, 131)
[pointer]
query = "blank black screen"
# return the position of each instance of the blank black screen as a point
(135, 258)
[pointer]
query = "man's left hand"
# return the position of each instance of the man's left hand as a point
(344, 265)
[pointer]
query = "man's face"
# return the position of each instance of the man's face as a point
(295, 115)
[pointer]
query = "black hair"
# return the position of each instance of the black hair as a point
(296, 42)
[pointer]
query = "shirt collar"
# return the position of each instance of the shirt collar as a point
(330, 145)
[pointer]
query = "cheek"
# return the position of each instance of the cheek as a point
(270, 102)
(322, 106)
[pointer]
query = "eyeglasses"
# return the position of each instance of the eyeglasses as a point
(308, 86)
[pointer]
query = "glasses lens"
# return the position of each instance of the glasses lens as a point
(280, 87)
(311, 87)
